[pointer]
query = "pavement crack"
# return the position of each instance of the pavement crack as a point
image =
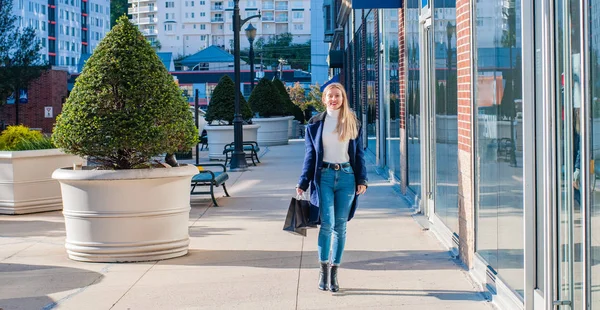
(299, 272)
(132, 285)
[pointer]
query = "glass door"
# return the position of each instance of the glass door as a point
(569, 231)
(427, 76)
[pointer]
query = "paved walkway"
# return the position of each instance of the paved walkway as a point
(241, 259)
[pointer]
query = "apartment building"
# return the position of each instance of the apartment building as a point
(186, 26)
(67, 28)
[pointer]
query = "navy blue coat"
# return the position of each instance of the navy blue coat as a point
(313, 161)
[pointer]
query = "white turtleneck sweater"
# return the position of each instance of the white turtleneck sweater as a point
(334, 150)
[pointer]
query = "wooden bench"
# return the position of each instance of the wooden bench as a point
(211, 179)
(250, 148)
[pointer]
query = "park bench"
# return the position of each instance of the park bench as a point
(250, 148)
(210, 178)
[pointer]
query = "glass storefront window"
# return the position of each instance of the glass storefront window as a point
(413, 97)
(446, 120)
(390, 91)
(371, 80)
(499, 139)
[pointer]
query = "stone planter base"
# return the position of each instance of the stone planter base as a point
(273, 130)
(219, 136)
(26, 185)
(126, 215)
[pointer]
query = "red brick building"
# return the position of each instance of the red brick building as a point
(45, 98)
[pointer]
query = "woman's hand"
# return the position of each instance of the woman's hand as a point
(361, 190)
(299, 191)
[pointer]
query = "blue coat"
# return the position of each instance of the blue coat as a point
(313, 161)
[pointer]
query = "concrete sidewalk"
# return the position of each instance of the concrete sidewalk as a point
(241, 259)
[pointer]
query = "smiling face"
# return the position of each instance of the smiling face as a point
(333, 99)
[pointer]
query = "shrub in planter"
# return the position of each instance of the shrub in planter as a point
(266, 100)
(125, 108)
(21, 138)
(289, 106)
(222, 103)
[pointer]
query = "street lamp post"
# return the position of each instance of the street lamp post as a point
(238, 158)
(251, 34)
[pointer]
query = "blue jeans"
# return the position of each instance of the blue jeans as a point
(336, 193)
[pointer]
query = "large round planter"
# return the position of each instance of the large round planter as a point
(273, 130)
(219, 136)
(126, 215)
(26, 184)
(293, 129)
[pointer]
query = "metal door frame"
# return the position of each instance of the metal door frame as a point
(428, 116)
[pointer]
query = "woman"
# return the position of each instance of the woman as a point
(334, 167)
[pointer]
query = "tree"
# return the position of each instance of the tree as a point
(222, 103)
(289, 107)
(20, 58)
(118, 8)
(280, 46)
(297, 95)
(125, 107)
(315, 98)
(266, 100)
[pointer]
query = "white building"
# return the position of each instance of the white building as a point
(184, 27)
(319, 50)
(67, 28)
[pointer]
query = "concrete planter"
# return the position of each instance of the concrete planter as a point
(219, 136)
(26, 185)
(126, 215)
(293, 129)
(273, 130)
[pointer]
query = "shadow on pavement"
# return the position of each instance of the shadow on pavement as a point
(359, 260)
(31, 228)
(27, 286)
(439, 294)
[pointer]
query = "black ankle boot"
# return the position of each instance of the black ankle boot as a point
(334, 286)
(323, 277)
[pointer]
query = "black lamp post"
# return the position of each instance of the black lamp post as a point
(238, 158)
(251, 34)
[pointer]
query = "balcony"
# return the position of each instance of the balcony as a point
(143, 9)
(268, 6)
(281, 19)
(267, 18)
(150, 32)
(217, 8)
(144, 20)
(281, 7)
(217, 20)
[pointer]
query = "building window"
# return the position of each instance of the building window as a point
(202, 27)
(298, 15)
(298, 27)
(170, 4)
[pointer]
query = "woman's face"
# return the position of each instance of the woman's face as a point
(334, 99)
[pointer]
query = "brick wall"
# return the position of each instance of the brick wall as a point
(402, 75)
(466, 219)
(49, 90)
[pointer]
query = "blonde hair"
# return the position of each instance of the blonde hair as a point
(347, 125)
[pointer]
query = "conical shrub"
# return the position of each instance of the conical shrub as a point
(266, 100)
(125, 108)
(222, 103)
(288, 106)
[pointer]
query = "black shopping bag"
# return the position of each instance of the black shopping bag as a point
(298, 219)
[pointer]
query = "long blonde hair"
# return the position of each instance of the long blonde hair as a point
(347, 125)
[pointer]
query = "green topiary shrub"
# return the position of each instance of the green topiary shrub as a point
(222, 103)
(289, 107)
(21, 138)
(266, 100)
(125, 108)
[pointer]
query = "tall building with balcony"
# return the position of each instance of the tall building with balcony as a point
(67, 29)
(184, 27)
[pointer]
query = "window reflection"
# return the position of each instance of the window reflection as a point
(446, 121)
(413, 98)
(371, 80)
(499, 153)
(594, 84)
(391, 90)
